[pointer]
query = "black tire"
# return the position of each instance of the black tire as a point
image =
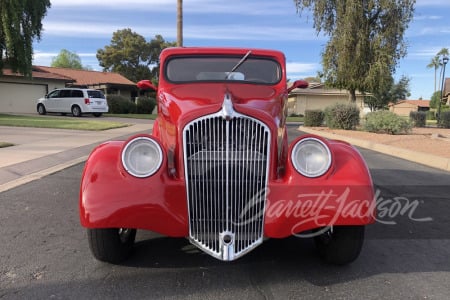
(41, 109)
(111, 245)
(97, 114)
(341, 245)
(76, 111)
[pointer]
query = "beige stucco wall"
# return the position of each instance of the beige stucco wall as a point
(20, 96)
(403, 109)
(300, 103)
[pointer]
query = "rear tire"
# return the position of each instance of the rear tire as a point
(341, 245)
(76, 111)
(41, 109)
(111, 245)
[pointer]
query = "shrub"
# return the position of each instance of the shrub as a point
(120, 105)
(418, 118)
(314, 118)
(342, 116)
(444, 120)
(386, 122)
(145, 105)
(431, 115)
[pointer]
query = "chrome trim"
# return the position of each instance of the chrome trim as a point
(295, 163)
(226, 169)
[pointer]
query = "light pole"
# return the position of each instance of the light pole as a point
(180, 23)
(444, 62)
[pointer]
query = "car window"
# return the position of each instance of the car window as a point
(64, 94)
(77, 94)
(96, 94)
(54, 94)
(218, 68)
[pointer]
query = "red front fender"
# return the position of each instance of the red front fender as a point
(112, 198)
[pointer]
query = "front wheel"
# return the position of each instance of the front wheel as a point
(41, 109)
(76, 111)
(340, 245)
(111, 245)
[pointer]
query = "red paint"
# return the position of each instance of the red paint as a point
(110, 197)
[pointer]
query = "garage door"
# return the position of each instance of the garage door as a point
(20, 98)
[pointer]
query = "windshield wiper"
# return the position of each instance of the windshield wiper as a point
(238, 64)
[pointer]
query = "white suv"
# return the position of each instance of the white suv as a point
(75, 101)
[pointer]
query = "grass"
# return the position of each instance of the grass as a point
(57, 122)
(153, 117)
(132, 116)
(295, 119)
(5, 144)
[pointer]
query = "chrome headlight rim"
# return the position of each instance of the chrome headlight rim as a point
(299, 169)
(125, 155)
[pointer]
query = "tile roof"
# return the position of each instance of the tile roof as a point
(83, 77)
(40, 75)
(419, 103)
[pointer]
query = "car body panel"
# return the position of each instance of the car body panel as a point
(112, 198)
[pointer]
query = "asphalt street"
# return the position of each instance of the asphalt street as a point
(44, 251)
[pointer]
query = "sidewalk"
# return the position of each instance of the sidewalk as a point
(411, 153)
(40, 151)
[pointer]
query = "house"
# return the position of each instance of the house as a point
(447, 90)
(19, 94)
(108, 82)
(317, 96)
(404, 107)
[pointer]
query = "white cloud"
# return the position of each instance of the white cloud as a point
(301, 68)
(433, 3)
(193, 6)
(222, 32)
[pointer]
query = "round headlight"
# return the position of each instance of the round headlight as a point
(142, 157)
(311, 157)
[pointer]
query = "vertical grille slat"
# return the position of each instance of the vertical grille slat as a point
(226, 170)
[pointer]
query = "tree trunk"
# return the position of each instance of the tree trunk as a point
(180, 23)
(352, 95)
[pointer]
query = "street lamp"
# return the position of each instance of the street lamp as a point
(444, 62)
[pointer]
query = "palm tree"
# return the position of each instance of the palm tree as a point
(434, 63)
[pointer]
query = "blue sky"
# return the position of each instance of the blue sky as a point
(84, 26)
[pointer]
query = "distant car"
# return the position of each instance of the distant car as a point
(73, 100)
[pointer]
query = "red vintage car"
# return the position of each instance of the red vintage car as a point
(218, 169)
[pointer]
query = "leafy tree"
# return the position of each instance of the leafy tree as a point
(130, 55)
(395, 92)
(366, 40)
(67, 59)
(435, 99)
(20, 24)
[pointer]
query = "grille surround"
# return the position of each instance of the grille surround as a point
(226, 162)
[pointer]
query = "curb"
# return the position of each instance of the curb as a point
(38, 175)
(430, 160)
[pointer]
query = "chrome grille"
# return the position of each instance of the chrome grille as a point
(226, 169)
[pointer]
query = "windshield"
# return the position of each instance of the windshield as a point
(219, 68)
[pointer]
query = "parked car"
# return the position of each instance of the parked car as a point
(73, 100)
(218, 170)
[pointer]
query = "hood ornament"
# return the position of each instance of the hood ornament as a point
(227, 111)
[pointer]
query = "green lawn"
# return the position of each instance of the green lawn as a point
(5, 144)
(58, 122)
(132, 116)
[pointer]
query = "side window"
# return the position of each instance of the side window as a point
(64, 94)
(77, 94)
(54, 94)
